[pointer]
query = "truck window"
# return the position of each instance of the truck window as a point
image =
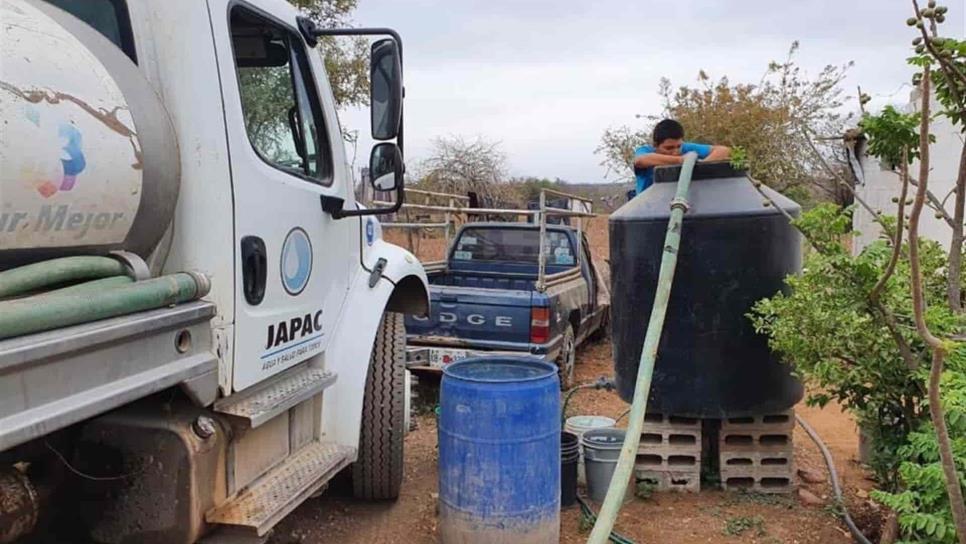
(109, 17)
(515, 245)
(282, 113)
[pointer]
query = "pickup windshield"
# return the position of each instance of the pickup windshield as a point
(512, 244)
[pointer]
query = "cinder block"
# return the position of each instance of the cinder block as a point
(673, 462)
(781, 422)
(664, 480)
(775, 462)
(763, 484)
(755, 441)
(662, 422)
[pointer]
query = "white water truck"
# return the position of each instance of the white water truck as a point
(199, 326)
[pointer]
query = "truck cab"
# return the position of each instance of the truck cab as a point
(208, 131)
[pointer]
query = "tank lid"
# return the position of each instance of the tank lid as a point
(717, 191)
(702, 170)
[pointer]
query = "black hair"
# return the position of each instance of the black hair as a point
(668, 129)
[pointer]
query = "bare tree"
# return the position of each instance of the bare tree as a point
(460, 165)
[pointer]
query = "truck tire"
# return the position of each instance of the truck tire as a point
(378, 472)
(567, 358)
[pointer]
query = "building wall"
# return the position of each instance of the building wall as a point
(878, 185)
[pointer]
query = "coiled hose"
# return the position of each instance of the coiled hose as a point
(38, 300)
(38, 276)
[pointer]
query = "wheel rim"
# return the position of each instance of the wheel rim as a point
(570, 357)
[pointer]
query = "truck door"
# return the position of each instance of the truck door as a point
(291, 271)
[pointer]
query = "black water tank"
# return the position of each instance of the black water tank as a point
(734, 251)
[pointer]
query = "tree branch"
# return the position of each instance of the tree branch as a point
(953, 491)
(918, 301)
(877, 310)
(954, 277)
(897, 238)
(936, 413)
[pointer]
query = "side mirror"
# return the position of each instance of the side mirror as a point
(386, 91)
(386, 167)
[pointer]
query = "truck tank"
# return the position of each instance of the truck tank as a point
(734, 251)
(89, 160)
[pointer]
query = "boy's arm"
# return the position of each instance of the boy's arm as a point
(647, 160)
(719, 153)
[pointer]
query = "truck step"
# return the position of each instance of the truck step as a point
(270, 498)
(263, 402)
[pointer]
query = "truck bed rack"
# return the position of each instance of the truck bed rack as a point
(457, 206)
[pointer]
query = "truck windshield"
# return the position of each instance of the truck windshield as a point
(109, 17)
(513, 244)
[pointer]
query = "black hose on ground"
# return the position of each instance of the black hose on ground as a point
(589, 513)
(602, 382)
(833, 474)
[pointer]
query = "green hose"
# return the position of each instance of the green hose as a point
(625, 465)
(90, 286)
(43, 313)
(34, 277)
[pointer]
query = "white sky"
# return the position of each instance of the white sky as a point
(546, 78)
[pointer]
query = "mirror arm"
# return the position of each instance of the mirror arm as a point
(333, 206)
(311, 33)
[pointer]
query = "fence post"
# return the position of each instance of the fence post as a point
(541, 271)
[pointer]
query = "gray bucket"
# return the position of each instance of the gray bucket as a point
(581, 424)
(602, 449)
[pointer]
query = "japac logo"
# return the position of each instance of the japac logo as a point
(296, 261)
(72, 158)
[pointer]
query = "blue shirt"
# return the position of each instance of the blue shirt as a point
(645, 176)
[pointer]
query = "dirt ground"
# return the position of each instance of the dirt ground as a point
(708, 516)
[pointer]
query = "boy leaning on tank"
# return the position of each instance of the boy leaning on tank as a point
(668, 149)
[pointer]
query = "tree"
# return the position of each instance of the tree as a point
(910, 292)
(346, 60)
(782, 122)
(457, 165)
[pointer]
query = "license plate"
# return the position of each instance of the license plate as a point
(438, 357)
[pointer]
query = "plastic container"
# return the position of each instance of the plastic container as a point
(569, 456)
(581, 424)
(499, 452)
(734, 252)
(602, 449)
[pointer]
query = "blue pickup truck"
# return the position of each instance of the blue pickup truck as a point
(491, 296)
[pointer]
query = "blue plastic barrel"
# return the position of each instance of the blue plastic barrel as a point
(499, 452)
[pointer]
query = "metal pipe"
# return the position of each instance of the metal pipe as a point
(37, 276)
(394, 225)
(43, 313)
(568, 195)
(542, 264)
(433, 193)
(488, 211)
(625, 465)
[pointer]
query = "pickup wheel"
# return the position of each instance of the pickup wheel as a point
(567, 359)
(378, 472)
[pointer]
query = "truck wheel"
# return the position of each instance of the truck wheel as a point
(378, 472)
(567, 359)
